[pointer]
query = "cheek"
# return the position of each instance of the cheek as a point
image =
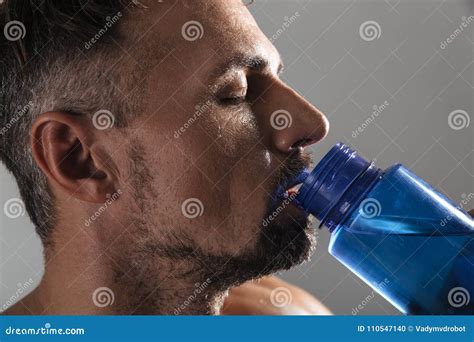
(209, 180)
(242, 165)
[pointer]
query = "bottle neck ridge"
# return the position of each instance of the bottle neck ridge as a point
(336, 185)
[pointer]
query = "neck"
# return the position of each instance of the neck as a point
(82, 279)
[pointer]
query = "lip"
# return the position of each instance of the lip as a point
(290, 187)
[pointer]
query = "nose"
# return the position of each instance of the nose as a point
(292, 122)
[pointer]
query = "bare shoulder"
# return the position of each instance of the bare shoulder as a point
(271, 296)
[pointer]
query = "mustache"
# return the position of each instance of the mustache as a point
(287, 175)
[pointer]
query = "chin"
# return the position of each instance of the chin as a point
(283, 242)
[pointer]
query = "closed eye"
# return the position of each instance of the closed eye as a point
(233, 100)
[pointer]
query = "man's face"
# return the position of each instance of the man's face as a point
(219, 133)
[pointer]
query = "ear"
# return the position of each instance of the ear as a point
(64, 147)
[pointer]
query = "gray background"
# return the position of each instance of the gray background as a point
(345, 76)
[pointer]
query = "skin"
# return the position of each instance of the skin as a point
(142, 247)
(261, 298)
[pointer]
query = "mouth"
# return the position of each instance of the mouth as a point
(291, 192)
(289, 188)
(284, 203)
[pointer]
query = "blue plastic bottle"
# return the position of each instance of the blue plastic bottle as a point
(398, 234)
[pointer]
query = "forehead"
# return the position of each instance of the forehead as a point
(201, 33)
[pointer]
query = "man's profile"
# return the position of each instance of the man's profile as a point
(148, 157)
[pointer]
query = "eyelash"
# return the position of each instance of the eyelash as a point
(233, 101)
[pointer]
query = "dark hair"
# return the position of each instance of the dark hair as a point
(52, 58)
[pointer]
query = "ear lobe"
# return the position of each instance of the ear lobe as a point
(61, 146)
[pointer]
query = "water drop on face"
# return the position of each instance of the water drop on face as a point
(268, 158)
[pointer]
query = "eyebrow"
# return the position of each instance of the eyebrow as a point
(240, 61)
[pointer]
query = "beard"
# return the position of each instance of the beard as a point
(282, 242)
(286, 237)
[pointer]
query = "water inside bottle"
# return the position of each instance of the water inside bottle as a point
(438, 256)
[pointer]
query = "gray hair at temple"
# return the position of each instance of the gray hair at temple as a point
(52, 59)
